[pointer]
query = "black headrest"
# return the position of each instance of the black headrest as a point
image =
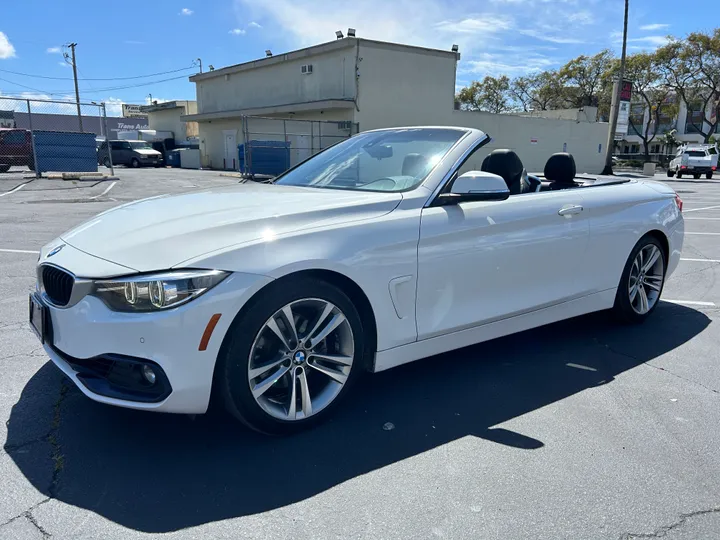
(507, 164)
(560, 168)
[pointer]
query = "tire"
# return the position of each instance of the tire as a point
(679, 175)
(670, 173)
(4, 168)
(628, 307)
(696, 176)
(134, 163)
(709, 175)
(106, 162)
(271, 412)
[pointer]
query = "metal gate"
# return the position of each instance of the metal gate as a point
(270, 146)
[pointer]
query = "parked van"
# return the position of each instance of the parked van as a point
(129, 153)
(15, 149)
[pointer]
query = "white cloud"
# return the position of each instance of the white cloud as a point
(654, 26)
(237, 31)
(6, 48)
(186, 11)
(551, 38)
(651, 41)
(581, 17)
(518, 63)
(253, 24)
(480, 25)
(64, 64)
(53, 50)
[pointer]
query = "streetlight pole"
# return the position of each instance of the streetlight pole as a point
(614, 107)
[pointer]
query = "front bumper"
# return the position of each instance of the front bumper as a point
(89, 331)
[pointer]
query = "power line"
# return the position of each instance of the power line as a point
(97, 79)
(96, 90)
(28, 87)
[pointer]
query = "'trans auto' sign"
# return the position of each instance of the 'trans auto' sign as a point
(132, 111)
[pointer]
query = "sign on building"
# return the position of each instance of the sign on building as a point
(132, 111)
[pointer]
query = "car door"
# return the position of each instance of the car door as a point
(483, 261)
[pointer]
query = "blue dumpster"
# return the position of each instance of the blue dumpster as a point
(265, 157)
(173, 158)
(65, 152)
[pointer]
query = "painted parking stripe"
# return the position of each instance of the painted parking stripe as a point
(702, 218)
(698, 209)
(704, 233)
(690, 302)
(105, 192)
(19, 251)
(701, 260)
(14, 190)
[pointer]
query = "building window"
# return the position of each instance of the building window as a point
(694, 120)
(637, 118)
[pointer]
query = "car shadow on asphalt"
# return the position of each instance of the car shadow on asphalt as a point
(159, 473)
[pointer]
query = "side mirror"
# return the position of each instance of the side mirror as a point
(475, 186)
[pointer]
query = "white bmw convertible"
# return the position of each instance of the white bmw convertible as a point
(378, 251)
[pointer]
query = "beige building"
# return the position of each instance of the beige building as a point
(167, 116)
(356, 83)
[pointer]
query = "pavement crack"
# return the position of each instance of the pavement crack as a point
(648, 364)
(27, 514)
(56, 451)
(662, 531)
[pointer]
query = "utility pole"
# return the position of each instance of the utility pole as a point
(77, 92)
(615, 104)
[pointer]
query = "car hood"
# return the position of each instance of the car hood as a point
(147, 152)
(162, 232)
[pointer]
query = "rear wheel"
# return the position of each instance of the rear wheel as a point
(709, 175)
(134, 163)
(289, 359)
(696, 176)
(670, 173)
(642, 281)
(679, 174)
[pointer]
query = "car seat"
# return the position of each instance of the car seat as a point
(560, 171)
(506, 163)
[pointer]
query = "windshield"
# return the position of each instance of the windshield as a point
(140, 145)
(390, 160)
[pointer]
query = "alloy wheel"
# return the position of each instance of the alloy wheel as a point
(646, 279)
(301, 359)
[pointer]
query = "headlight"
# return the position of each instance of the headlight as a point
(154, 292)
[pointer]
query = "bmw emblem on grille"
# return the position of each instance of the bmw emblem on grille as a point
(55, 251)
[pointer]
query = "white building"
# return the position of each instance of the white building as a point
(355, 82)
(166, 116)
(686, 126)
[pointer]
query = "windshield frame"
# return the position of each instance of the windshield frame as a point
(466, 133)
(147, 145)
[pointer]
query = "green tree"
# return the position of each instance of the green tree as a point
(692, 67)
(649, 88)
(492, 94)
(584, 77)
(541, 91)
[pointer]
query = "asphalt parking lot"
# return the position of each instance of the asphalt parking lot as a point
(583, 429)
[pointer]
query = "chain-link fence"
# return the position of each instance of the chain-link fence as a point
(270, 146)
(47, 136)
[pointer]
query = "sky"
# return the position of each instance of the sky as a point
(124, 42)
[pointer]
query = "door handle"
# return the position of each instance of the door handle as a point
(570, 210)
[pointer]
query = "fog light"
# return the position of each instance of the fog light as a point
(149, 374)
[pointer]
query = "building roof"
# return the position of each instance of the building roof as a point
(176, 104)
(315, 50)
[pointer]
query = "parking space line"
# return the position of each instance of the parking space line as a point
(104, 192)
(701, 260)
(19, 251)
(18, 188)
(689, 302)
(705, 218)
(698, 209)
(704, 233)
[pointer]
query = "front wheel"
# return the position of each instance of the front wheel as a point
(670, 173)
(288, 361)
(642, 281)
(134, 163)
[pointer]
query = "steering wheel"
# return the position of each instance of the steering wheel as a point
(382, 184)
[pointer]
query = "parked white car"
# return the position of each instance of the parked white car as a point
(695, 161)
(378, 251)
